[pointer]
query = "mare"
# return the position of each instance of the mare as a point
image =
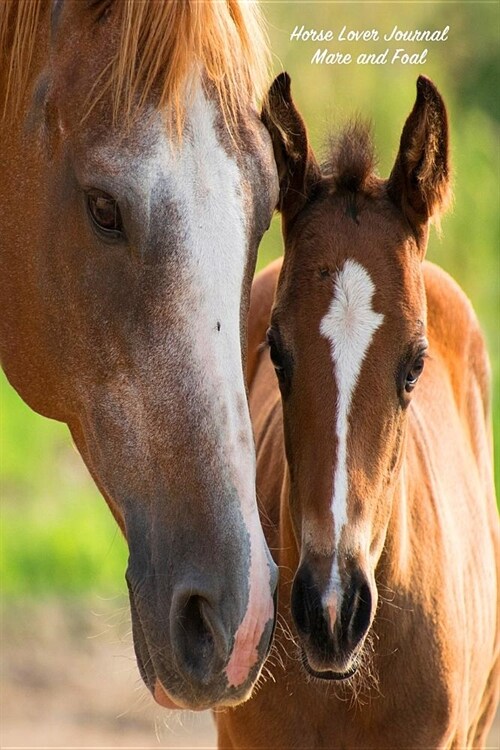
(136, 181)
(379, 497)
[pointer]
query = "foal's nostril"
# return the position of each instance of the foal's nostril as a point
(307, 608)
(300, 603)
(356, 611)
(363, 614)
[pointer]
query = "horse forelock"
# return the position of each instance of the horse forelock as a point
(18, 28)
(351, 157)
(224, 39)
(159, 45)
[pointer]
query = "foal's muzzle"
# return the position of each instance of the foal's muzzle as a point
(332, 626)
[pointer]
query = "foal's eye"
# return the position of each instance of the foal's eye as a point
(274, 352)
(105, 214)
(414, 373)
(280, 360)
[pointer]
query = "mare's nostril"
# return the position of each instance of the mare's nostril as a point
(197, 629)
(194, 637)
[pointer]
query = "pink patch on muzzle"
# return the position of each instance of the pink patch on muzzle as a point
(259, 612)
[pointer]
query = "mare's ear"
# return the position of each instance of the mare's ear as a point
(420, 180)
(298, 169)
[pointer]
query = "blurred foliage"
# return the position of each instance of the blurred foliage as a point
(56, 532)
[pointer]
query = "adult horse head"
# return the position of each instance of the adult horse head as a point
(348, 341)
(137, 181)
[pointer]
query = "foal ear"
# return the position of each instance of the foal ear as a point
(420, 179)
(298, 170)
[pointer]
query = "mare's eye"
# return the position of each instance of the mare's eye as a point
(414, 373)
(105, 213)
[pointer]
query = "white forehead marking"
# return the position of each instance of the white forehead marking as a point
(207, 186)
(349, 326)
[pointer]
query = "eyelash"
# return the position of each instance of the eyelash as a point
(412, 370)
(278, 359)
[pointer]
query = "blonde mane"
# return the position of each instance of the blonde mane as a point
(160, 44)
(18, 26)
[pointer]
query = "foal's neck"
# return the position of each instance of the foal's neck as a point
(393, 568)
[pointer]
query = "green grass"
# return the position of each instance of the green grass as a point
(56, 532)
(72, 549)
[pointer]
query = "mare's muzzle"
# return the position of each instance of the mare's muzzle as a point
(185, 621)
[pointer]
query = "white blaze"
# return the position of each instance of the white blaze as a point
(349, 326)
(211, 193)
(207, 189)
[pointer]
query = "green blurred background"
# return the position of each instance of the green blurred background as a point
(57, 536)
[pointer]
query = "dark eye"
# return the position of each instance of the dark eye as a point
(280, 360)
(414, 373)
(105, 214)
(274, 352)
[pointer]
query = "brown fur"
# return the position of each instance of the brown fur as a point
(420, 479)
(101, 330)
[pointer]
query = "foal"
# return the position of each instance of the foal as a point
(382, 517)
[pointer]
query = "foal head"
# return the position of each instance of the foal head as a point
(138, 182)
(348, 342)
